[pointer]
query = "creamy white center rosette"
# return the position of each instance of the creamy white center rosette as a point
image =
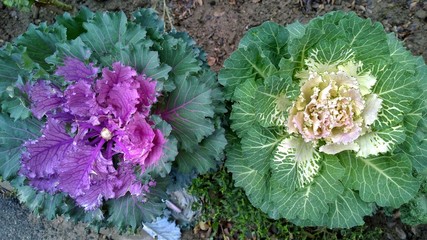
(333, 113)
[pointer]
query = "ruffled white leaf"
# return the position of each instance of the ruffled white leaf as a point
(374, 143)
(296, 161)
(372, 107)
(334, 148)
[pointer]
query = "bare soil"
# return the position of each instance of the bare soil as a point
(217, 26)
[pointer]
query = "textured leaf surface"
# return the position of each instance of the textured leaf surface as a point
(180, 57)
(13, 134)
(189, 112)
(311, 201)
(244, 114)
(162, 229)
(386, 180)
(248, 63)
(39, 202)
(41, 42)
(205, 157)
(133, 210)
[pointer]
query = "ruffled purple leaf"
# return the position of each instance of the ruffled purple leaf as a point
(44, 97)
(76, 168)
(128, 181)
(136, 144)
(75, 70)
(44, 155)
(123, 98)
(47, 184)
(98, 190)
(157, 150)
(147, 93)
(80, 99)
(120, 74)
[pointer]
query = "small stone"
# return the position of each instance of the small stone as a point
(421, 14)
(400, 233)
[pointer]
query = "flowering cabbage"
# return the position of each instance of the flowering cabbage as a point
(326, 119)
(105, 114)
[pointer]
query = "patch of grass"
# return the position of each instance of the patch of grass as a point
(229, 213)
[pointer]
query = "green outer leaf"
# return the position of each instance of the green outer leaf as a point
(244, 64)
(396, 87)
(16, 108)
(253, 179)
(347, 211)
(39, 202)
(41, 41)
(311, 201)
(74, 25)
(177, 54)
(243, 114)
(189, 111)
(385, 180)
(273, 101)
(205, 157)
(74, 48)
(368, 40)
(13, 134)
(295, 30)
(148, 62)
(269, 36)
(133, 210)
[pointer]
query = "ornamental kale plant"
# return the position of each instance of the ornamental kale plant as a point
(327, 119)
(100, 115)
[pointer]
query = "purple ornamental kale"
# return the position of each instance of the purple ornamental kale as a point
(91, 124)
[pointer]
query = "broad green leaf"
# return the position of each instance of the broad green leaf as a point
(294, 163)
(74, 25)
(347, 211)
(295, 30)
(109, 33)
(416, 146)
(385, 180)
(329, 52)
(180, 57)
(245, 64)
(315, 31)
(270, 37)
(14, 67)
(397, 88)
(368, 40)
(148, 18)
(252, 179)
(13, 134)
(133, 210)
(311, 201)
(205, 157)
(189, 111)
(273, 101)
(243, 114)
(49, 205)
(40, 42)
(16, 107)
(148, 63)
(74, 48)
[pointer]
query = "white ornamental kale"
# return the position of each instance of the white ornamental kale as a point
(327, 119)
(101, 115)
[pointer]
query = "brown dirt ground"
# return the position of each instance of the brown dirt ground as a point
(218, 25)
